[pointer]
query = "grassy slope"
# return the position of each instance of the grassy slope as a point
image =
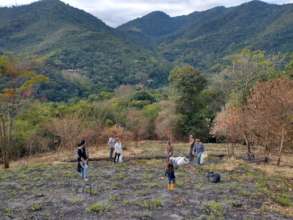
(134, 190)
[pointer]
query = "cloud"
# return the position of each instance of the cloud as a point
(116, 12)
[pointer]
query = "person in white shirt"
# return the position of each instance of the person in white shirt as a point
(117, 150)
(111, 143)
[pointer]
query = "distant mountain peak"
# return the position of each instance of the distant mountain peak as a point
(158, 14)
(53, 1)
(256, 3)
(50, 2)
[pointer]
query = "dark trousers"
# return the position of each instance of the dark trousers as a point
(171, 180)
(116, 158)
(191, 157)
(111, 153)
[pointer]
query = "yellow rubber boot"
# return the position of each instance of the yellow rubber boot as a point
(169, 187)
(172, 187)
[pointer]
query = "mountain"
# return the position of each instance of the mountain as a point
(203, 39)
(81, 54)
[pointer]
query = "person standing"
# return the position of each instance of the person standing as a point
(170, 173)
(117, 150)
(198, 150)
(111, 143)
(82, 160)
(191, 148)
(169, 150)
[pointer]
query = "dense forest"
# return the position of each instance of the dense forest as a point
(66, 76)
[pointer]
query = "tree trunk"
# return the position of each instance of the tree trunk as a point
(230, 150)
(250, 155)
(233, 151)
(6, 160)
(281, 147)
(267, 154)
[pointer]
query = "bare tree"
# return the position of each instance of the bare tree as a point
(12, 99)
(271, 108)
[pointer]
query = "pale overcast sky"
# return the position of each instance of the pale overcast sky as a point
(116, 12)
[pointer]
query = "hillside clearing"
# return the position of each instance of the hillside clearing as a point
(135, 190)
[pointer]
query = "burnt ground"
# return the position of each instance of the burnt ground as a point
(135, 190)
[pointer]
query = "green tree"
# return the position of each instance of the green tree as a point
(246, 69)
(188, 85)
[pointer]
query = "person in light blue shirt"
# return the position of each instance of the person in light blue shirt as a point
(198, 150)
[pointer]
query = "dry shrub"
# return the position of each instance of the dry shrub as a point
(266, 119)
(138, 124)
(116, 131)
(68, 129)
(165, 124)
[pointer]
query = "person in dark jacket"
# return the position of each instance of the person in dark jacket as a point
(170, 173)
(198, 150)
(191, 148)
(82, 160)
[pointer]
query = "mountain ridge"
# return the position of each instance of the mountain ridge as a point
(204, 38)
(82, 55)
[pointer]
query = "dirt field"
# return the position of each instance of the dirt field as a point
(135, 190)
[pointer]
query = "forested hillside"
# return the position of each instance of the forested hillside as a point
(203, 39)
(79, 53)
(83, 56)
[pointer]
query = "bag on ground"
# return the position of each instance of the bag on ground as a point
(121, 158)
(179, 161)
(203, 157)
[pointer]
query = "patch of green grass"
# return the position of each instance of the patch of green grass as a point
(36, 207)
(92, 192)
(12, 193)
(146, 204)
(283, 200)
(8, 212)
(261, 185)
(99, 208)
(119, 176)
(69, 175)
(153, 185)
(215, 210)
(151, 204)
(116, 186)
(179, 183)
(147, 177)
(75, 200)
(114, 198)
(244, 193)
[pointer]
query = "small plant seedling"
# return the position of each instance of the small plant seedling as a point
(98, 208)
(36, 207)
(8, 212)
